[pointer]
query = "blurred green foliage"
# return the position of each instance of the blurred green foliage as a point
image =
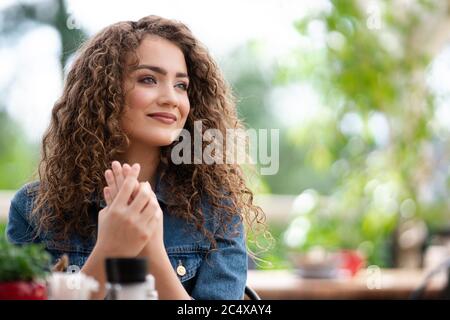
(364, 164)
(23, 263)
(363, 80)
(18, 157)
(2, 229)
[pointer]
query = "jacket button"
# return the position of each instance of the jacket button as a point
(181, 270)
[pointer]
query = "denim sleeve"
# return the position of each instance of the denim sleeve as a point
(223, 274)
(19, 230)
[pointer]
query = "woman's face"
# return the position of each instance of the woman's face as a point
(156, 100)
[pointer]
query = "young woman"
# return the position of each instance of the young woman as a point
(108, 186)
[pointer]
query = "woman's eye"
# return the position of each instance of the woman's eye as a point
(148, 80)
(182, 85)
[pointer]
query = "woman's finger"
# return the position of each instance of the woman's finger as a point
(117, 169)
(135, 191)
(150, 216)
(142, 198)
(107, 195)
(111, 181)
(128, 186)
(126, 169)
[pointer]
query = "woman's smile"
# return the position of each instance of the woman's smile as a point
(163, 117)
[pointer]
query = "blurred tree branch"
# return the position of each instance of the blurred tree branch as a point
(18, 18)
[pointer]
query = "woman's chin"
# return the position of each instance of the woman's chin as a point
(156, 139)
(162, 141)
(165, 144)
(166, 138)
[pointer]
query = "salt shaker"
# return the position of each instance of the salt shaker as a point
(127, 279)
(152, 294)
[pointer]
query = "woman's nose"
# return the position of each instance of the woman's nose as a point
(168, 96)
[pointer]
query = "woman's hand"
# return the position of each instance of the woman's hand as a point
(115, 179)
(130, 218)
(121, 234)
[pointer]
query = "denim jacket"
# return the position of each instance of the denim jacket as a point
(219, 273)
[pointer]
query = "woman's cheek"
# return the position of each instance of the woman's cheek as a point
(138, 99)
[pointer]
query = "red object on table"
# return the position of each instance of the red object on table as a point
(352, 261)
(22, 290)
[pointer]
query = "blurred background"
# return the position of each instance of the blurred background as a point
(359, 90)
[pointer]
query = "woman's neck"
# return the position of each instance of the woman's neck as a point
(147, 157)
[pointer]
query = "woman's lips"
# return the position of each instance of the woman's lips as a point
(165, 118)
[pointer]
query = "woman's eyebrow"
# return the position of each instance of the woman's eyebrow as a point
(160, 70)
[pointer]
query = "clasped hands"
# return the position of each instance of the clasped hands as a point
(132, 222)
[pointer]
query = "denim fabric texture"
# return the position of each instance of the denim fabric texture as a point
(218, 274)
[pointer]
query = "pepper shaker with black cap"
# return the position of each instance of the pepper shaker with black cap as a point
(127, 279)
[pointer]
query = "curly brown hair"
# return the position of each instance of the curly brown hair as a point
(85, 135)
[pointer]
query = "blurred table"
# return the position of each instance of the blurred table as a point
(366, 284)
